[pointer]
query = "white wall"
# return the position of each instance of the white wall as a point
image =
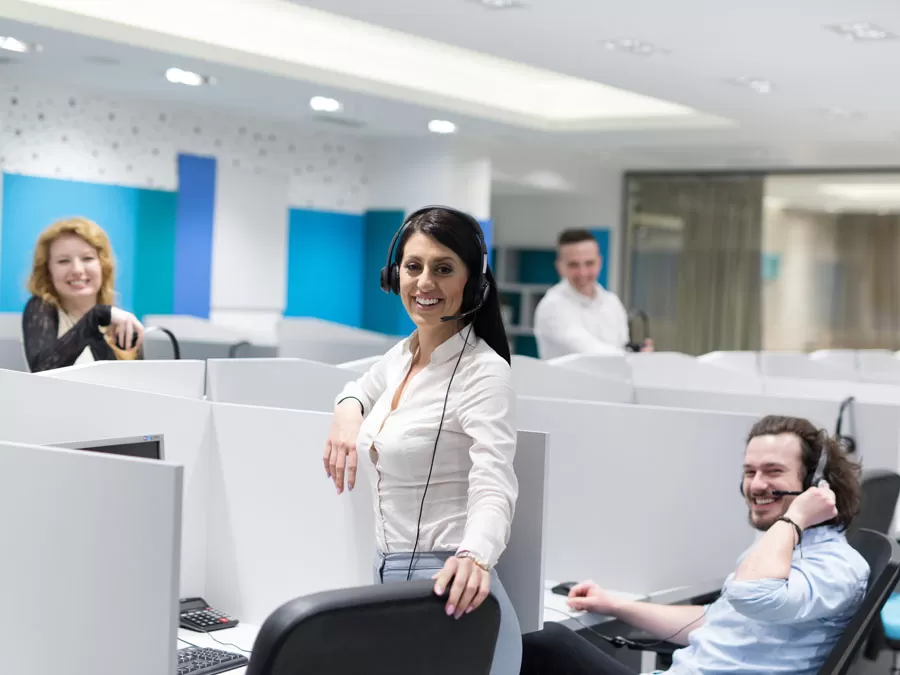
(412, 174)
(58, 131)
(249, 254)
(535, 220)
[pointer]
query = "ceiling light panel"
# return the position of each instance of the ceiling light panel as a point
(861, 32)
(12, 44)
(295, 41)
(325, 104)
(441, 127)
(862, 191)
(187, 77)
(632, 46)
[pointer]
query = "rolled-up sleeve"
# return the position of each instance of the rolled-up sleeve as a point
(486, 414)
(818, 586)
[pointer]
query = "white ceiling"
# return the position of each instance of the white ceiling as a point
(708, 43)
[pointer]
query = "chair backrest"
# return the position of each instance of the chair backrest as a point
(883, 555)
(879, 491)
(389, 629)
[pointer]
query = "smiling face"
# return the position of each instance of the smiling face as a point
(432, 281)
(579, 263)
(771, 462)
(75, 270)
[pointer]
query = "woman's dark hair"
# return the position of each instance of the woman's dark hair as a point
(841, 473)
(457, 232)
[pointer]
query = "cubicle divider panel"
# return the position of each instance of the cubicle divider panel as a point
(522, 565)
(532, 377)
(170, 378)
(331, 350)
(278, 530)
(12, 354)
(874, 426)
(612, 366)
(670, 369)
(830, 389)
(294, 384)
(799, 365)
(90, 564)
(837, 359)
(46, 411)
(277, 527)
(634, 493)
(361, 365)
(746, 362)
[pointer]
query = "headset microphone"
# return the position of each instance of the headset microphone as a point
(463, 315)
(817, 477)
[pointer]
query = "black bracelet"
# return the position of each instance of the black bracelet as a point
(796, 527)
(362, 409)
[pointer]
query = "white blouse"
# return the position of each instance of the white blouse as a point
(473, 489)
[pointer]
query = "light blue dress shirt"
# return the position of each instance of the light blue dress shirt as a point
(780, 625)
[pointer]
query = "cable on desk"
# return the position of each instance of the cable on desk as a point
(228, 644)
(620, 641)
(190, 643)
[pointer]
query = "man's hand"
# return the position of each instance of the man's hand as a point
(647, 346)
(589, 597)
(817, 505)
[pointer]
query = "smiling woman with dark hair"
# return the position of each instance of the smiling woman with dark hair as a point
(435, 419)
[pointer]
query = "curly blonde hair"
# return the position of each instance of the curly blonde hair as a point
(41, 285)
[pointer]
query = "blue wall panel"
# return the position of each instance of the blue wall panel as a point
(326, 266)
(194, 235)
(154, 261)
(382, 312)
(602, 235)
(30, 204)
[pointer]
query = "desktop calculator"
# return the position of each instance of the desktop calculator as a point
(197, 615)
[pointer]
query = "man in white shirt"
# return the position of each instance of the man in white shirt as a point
(578, 315)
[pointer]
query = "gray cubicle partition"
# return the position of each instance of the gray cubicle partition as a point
(89, 571)
(12, 354)
(158, 347)
(634, 492)
(533, 377)
(295, 384)
(875, 426)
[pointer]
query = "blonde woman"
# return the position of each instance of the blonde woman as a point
(70, 317)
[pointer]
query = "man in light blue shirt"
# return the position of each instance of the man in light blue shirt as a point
(791, 596)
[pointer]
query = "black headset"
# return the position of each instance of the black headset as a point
(848, 443)
(390, 273)
(812, 477)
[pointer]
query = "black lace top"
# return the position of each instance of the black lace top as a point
(45, 350)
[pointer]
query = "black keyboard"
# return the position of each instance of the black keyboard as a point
(198, 661)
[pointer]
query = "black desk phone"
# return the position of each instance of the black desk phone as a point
(196, 614)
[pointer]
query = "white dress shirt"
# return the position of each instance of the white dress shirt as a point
(569, 322)
(472, 493)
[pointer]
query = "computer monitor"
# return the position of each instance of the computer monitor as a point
(146, 447)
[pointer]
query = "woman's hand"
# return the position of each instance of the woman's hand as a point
(340, 448)
(127, 327)
(470, 585)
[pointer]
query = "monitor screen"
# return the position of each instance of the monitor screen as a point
(145, 447)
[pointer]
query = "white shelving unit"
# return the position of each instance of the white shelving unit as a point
(506, 270)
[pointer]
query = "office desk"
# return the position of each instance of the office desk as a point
(242, 635)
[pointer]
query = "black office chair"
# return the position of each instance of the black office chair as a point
(879, 491)
(389, 629)
(883, 555)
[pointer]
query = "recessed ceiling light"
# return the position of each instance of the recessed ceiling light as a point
(325, 104)
(12, 44)
(632, 46)
(757, 84)
(861, 32)
(501, 4)
(191, 79)
(441, 127)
